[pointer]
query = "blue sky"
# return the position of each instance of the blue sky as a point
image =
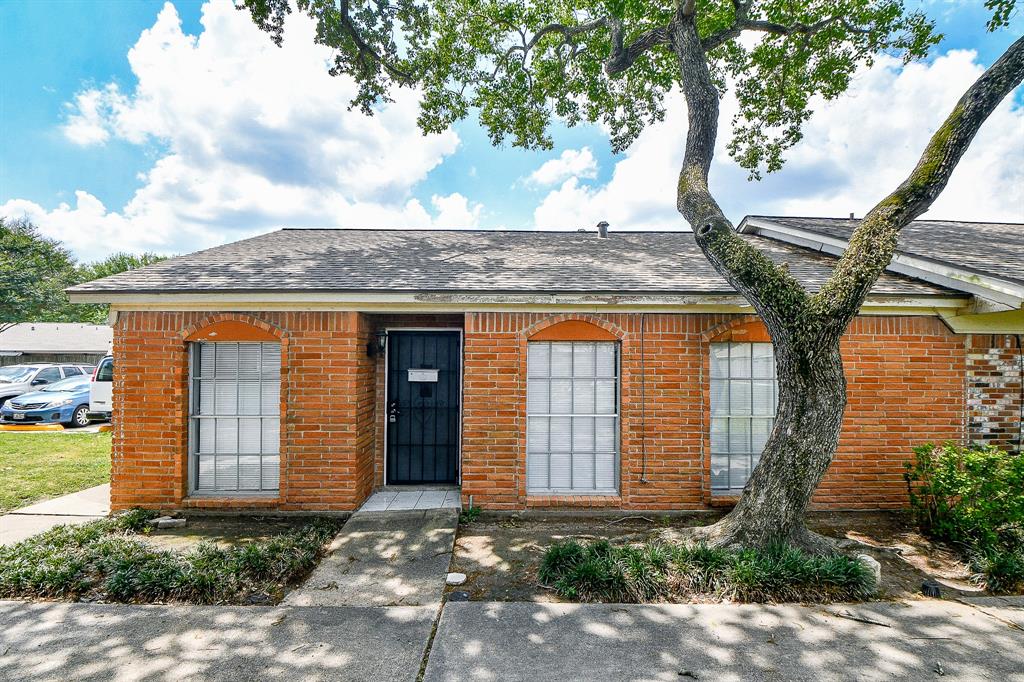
(208, 134)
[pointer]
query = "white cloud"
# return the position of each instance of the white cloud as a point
(251, 137)
(855, 151)
(571, 163)
(88, 116)
(455, 211)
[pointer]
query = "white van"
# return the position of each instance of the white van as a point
(100, 390)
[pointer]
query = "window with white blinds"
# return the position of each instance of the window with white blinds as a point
(743, 402)
(572, 410)
(234, 424)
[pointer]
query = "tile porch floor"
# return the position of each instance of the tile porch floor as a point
(406, 499)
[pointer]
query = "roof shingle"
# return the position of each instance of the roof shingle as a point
(995, 249)
(466, 261)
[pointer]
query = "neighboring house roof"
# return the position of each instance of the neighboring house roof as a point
(56, 337)
(985, 259)
(465, 261)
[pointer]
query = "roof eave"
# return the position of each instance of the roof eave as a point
(456, 302)
(1007, 294)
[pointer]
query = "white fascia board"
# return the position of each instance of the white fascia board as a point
(1007, 294)
(381, 303)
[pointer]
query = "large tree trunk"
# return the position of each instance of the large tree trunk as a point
(806, 328)
(812, 399)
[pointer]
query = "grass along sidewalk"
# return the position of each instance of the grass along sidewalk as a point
(38, 466)
(111, 560)
(602, 571)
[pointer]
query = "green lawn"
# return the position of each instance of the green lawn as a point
(38, 466)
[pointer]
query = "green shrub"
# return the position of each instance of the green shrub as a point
(602, 571)
(973, 497)
(999, 568)
(106, 559)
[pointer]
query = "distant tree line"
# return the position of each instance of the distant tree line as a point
(35, 270)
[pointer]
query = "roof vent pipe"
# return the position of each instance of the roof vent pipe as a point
(602, 229)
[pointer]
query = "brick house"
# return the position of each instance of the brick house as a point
(303, 369)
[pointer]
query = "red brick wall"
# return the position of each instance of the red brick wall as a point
(327, 394)
(906, 382)
(906, 386)
(994, 390)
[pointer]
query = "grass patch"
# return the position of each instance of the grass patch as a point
(604, 572)
(37, 466)
(110, 560)
(469, 515)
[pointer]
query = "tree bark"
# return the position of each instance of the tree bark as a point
(812, 399)
(805, 329)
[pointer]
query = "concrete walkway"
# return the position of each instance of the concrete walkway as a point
(924, 640)
(82, 642)
(384, 559)
(85, 505)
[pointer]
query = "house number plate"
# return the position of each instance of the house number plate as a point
(423, 375)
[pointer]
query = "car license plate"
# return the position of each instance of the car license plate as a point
(19, 416)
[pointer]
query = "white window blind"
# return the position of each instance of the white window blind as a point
(572, 409)
(743, 402)
(234, 425)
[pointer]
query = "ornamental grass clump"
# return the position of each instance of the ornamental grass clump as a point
(110, 560)
(601, 571)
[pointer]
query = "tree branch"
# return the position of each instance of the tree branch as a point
(742, 24)
(622, 56)
(873, 243)
(365, 49)
(774, 293)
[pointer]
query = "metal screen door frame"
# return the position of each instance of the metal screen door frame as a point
(387, 394)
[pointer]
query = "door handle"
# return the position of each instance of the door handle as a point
(393, 411)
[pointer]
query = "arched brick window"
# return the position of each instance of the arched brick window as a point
(234, 408)
(572, 406)
(744, 394)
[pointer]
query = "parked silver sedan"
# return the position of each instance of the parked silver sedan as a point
(18, 379)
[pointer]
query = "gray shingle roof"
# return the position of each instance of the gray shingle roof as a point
(56, 337)
(465, 261)
(995, 249)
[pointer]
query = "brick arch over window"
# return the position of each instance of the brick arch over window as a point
(748, 328)
(233, 327)
(574, 328)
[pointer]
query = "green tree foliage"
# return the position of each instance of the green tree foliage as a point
(35, 270)
(116, 263)
(519, 64)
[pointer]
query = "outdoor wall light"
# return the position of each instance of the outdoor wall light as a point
(377, 344)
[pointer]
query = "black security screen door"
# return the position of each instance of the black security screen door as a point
(423, 407)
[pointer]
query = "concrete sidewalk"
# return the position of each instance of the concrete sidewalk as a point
(62, 642)
(384, 559)
(85, 505)
(925, 640)
(514, 641)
